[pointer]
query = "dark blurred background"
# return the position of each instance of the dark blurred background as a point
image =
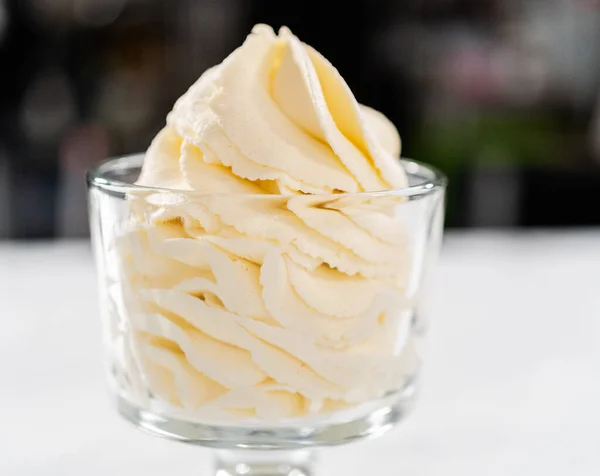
(503, 95)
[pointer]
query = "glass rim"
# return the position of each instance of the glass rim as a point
(97, 177)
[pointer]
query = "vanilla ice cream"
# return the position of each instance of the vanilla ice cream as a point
(255, 281)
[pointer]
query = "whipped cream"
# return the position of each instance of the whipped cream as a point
(273, 290)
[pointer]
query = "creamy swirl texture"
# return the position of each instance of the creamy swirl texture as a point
(272, 290)
(274, 117)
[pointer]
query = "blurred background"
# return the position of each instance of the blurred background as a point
(503, 95)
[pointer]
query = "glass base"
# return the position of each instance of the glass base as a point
(376, 418)
(265, 463)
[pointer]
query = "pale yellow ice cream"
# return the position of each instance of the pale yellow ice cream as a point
(266, 293)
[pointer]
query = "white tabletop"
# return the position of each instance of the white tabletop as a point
(511, 387)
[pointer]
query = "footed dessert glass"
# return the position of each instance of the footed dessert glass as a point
(266, 325)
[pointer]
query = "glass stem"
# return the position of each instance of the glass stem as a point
(265, 463)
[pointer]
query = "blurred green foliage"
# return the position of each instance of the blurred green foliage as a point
(493, 140)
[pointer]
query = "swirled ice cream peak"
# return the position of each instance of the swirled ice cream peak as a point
(269, 293)
(274, 117)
